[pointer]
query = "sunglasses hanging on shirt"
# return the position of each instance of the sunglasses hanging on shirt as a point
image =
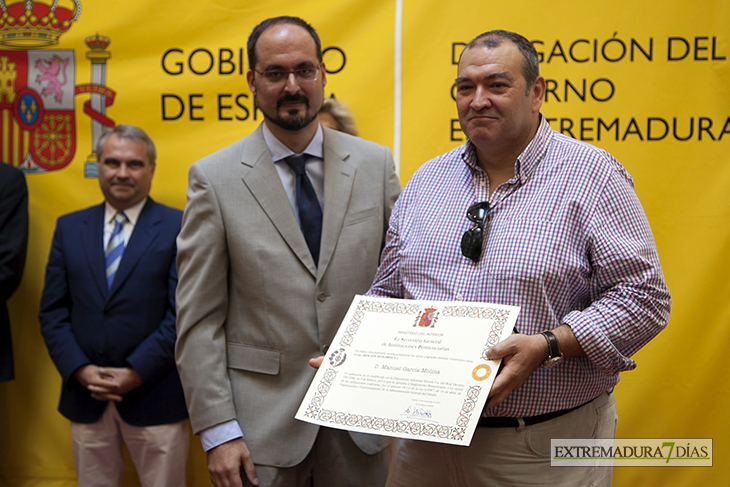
(471, 241)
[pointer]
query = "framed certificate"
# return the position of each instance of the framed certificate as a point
(409, 369)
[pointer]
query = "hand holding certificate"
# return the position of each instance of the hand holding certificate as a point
(409, 369)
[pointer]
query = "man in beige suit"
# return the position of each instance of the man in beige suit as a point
(262, 288)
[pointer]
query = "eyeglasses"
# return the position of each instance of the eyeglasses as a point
(471, 242)
(280, 76)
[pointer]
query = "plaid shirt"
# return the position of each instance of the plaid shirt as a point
(567, 240)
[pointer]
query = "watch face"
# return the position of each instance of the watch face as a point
(551, 362)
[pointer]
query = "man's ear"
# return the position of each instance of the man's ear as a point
(538, 93)
(249, 80)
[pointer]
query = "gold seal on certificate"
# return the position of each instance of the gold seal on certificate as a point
(481, 372)
(409, 369)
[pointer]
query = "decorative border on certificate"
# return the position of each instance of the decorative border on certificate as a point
(374, 307)
(428, 317)
(500, 317)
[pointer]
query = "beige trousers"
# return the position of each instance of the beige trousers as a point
(506, 457)
(159, 452)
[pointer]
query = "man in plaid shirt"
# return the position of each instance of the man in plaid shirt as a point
(524, 216)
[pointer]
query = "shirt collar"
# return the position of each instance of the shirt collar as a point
(279, 151)
(132, 212)
(535, 151)
(528, 161)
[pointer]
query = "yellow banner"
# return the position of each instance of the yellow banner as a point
(647, 81)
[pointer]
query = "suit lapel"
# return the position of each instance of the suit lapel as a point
(339, 175)
(92, 238)
(262, 180)
(145, 232)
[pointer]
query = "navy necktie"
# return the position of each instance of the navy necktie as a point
(115, 248)
(310, 213)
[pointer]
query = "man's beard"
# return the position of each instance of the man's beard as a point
(292, 121)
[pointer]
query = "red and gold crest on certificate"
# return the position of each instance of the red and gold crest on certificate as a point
(427, 319)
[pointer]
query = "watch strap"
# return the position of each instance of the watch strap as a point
(553, 346)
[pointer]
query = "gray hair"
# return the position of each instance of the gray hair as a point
(128, 132)
(530, 63)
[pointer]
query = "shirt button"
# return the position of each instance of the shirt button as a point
(321, 297)
(459, 297)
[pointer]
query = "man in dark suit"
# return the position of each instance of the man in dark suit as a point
(282, 228)
(108, 319)
(13, 242)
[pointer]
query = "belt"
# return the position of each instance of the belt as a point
(504, 422)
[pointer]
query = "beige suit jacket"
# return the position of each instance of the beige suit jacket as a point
(252, 306)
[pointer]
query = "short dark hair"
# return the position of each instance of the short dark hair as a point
(128, 132)
(493, 38)
(284, 19)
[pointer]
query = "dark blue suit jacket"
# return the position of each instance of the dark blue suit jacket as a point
(13, 242)
(130, 325)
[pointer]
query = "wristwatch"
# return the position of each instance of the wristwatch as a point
(555, 356)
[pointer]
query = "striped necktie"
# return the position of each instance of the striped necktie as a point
(115, 248)
(310, 213)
